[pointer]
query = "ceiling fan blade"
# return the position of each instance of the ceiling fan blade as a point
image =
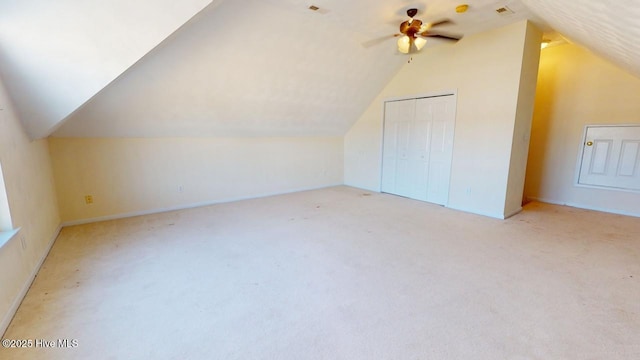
(373, 42)
(440, 22)
(440, 36)
(430, 25)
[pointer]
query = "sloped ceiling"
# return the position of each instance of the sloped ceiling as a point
(55, 55)
(610, 29)
(267, 68)
(239, 67)
(246, 68)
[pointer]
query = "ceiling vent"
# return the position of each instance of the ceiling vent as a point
(318, 9)
(504, 11)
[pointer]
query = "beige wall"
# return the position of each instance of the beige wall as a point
(133, 176)
(486, 71)
(522, 128)
(576, 88)
(29, 183)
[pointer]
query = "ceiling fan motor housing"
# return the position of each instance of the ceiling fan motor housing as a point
(411, 29)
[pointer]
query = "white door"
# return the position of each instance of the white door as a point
(418, 148)
(439, 113)
(611, 157)
(397, 178)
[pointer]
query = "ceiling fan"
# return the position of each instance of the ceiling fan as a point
(413, 33)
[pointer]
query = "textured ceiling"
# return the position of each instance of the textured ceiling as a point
(239, 67)
(267, 68)
(610, 29)
(55, 55)
(246, 68)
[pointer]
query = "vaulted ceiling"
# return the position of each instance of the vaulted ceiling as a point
(241, 67)
(609, 29)
(56, 55)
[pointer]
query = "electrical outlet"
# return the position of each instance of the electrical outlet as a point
(88, 199)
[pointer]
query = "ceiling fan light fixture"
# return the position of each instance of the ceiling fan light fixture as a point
(413, 34)
(460, 9)
(544, 43)
(404, 44)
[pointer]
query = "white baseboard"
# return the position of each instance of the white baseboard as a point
(495, 216)
(517, 211)
(25, 288)
(376, 190)
(487, 214)
(186, 206)
(582, 206)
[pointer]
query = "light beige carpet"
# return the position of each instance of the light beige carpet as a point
(339, 274)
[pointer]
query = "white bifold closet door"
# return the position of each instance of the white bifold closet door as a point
(418, 148)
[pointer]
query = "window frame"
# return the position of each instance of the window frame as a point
(7, 231)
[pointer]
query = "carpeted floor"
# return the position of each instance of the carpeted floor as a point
(339, 273)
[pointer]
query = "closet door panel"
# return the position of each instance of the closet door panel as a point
(418, 148)
(396, 165)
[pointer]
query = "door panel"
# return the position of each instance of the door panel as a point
(421, 144)
(611, 157)
(441, 147)
(600, 157)
(629, 158)
(395, 169)
(418, 148)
